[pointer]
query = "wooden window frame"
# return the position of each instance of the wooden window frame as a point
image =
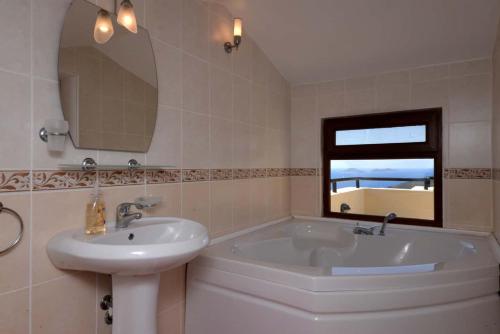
(431, 148)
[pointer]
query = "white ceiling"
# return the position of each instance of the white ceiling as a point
(319, 40)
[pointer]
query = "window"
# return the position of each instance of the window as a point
(380, 163)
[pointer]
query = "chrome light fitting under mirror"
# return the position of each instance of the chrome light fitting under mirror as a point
(237, 32)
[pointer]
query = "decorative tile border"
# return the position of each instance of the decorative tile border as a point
(467, 173)
(23, 180)
(221, 174)
(15, 181)
(242, 173)
(304, 171)
(195, 175)
(160, 176)
(50, 180)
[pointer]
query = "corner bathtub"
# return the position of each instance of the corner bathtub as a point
(315, 276)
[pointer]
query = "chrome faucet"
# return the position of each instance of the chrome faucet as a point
(388, 217)
(363, 230)
(344, 208)
(123, 215)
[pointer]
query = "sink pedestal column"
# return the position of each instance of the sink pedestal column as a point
(135, 300)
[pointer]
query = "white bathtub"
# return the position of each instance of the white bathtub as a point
(308, 276)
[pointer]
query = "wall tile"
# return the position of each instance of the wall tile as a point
(242, 142)
(258, 148)
(14, 312)
(195, 28)
(470, 98)
(305, 195)
(71, 300)
(242, 60)
(195, 84)
(195, 140)
(221, 143)
(164, 20)
(468, 204)
(221, 92)
(241, 99)
(165, 149)
(54, 212)
(470, 144)
(360, 101)
(242, 204)
(331, 104)
(15, 36)
(259, 105)
(48, 17)
(361, 83)
(220, 32)
(393, 91)
(172, 288)
(305, 135)
(170, 205)
(17, 260)
(430, 94)
(479, 66)
(196, 202)
(221, 208)
(171, 321)
(429, 73)
(259, 189)
(15, 110)
(169, 66)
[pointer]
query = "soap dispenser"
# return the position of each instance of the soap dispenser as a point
(95, 221)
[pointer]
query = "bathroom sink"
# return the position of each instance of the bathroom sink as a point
(147, 246)
(134, 256)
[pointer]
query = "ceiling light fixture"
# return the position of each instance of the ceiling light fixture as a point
(126, 16)
(103, 29)
(237, 32)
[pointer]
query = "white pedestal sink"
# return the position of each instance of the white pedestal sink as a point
(134, 256)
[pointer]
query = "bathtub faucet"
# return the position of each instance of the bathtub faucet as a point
(388, 217)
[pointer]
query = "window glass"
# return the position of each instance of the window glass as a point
(379, 186)
(400, 134)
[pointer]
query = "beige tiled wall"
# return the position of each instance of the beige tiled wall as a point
(463, 90)
(496, 135)
(216, 111)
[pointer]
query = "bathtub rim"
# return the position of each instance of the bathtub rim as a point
(216, 258)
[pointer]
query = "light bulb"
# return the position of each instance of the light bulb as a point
(126, 16)
(103, 29)
(237, 27)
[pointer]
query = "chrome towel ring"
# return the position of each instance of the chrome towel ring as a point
(21, 228)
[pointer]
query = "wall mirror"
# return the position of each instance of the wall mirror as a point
(109, 91)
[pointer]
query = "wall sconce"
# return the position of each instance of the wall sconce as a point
(54, 134)
(126, 16)
(103, 29)
(237, 32)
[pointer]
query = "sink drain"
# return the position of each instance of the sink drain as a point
(131, 236)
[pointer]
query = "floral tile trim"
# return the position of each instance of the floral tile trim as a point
(259, 172)
(161, 176)
(242, 173)
(121, 177)
(52, 180)
(194, 175)
(304, 172)
(15, 181)
(467, 173)
(221, 174)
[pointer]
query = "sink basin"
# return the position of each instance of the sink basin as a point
(148, 245)
(134, 256)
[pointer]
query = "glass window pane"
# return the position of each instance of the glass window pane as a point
(401, 134)
(376, 187)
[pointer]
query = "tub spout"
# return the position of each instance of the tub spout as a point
(388, 217)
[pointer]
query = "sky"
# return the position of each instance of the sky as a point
(401, 134)
(386, 163)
